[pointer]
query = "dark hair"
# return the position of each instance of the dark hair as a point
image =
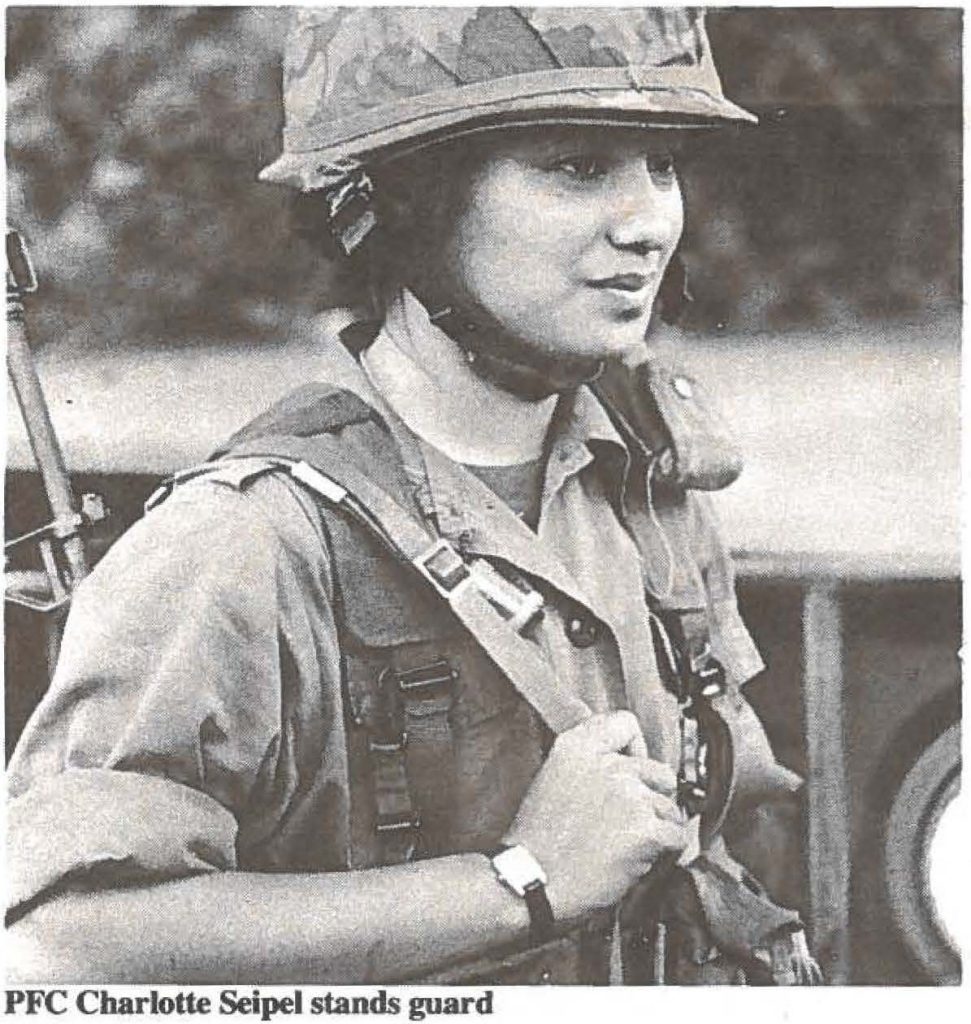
(414, 197)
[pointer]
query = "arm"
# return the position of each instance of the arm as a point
(351, 927)
(596, 818)
(161, 733)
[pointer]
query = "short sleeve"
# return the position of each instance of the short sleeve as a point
(758, 774)
(165, 710)
(731, 642)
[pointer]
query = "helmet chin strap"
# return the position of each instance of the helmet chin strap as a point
(497, 357)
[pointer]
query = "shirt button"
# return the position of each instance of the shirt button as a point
(581, 631)
(682, 387)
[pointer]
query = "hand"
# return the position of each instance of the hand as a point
(598, 814)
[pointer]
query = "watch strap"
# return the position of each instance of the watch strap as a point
(542, 925)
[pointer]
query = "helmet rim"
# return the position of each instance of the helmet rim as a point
(322, 155)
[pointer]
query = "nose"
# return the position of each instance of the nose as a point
(646, 211)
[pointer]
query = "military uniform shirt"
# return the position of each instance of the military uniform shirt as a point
(195, 722)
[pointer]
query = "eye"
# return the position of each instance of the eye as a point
(662, 165)
(581, 166)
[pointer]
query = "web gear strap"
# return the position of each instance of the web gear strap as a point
(320, 467)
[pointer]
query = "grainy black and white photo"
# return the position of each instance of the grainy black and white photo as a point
(482, 497)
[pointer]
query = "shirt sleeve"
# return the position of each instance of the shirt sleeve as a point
(759, 775)
(731, 641)
(166, 707)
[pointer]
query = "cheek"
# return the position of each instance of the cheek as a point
(515, 245)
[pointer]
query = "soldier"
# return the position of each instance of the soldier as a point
(436, 665)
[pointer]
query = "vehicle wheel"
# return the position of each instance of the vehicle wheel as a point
(921, 846)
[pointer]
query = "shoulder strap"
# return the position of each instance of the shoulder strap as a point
(484, 602)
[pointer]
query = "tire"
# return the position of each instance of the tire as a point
(926, 789)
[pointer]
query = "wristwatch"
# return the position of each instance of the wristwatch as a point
(520, 872)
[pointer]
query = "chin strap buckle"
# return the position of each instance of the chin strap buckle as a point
(351, 215)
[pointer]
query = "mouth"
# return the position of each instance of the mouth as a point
(638, 281)
(629, 295)
(630, 283)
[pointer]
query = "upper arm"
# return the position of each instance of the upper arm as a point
(171, 695)
(731, 641)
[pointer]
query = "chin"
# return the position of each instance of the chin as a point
(588, 336)
(624, 345)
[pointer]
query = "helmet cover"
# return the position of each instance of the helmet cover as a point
(364, 83)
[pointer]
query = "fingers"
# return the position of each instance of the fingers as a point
(663, 841)
(612, 732)
(668, 810)
(656, 803)
(670, 837)
(654, 774)
(659, 776)
(637, 748)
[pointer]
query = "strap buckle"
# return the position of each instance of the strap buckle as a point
(692, 767)
(519, 606)
(444, 568)
(351, 213)
(397, 823)
(21, 277)
(708, 681)
(426, 682)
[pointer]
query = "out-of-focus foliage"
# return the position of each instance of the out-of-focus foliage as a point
(134, 136)
(845, 203)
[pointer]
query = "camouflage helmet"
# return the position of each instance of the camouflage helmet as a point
(363, 83)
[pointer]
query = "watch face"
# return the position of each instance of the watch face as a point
(518, 868)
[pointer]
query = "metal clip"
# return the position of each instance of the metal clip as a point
(395, 746)
(21, 278)
(444, 568)
(397, 823)
(425, 682)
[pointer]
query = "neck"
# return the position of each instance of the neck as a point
(427, 379)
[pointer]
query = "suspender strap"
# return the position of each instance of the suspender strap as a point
(409, 745)
(331, 477)
(426, 695)
(706, 770)
(396, 822)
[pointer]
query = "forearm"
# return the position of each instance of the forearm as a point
(349, 927)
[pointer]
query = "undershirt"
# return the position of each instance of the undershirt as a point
(519, 486)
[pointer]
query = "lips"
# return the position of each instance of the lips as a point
(622, 282)
(636, 278)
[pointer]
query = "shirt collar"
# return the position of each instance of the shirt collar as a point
(582, 432)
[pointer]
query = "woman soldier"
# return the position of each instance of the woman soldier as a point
(425, 668)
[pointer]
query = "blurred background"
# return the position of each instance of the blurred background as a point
(134, 136)
(824, 252)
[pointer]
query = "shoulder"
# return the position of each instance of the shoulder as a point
(219, 526)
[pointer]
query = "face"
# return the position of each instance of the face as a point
(563, 236)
